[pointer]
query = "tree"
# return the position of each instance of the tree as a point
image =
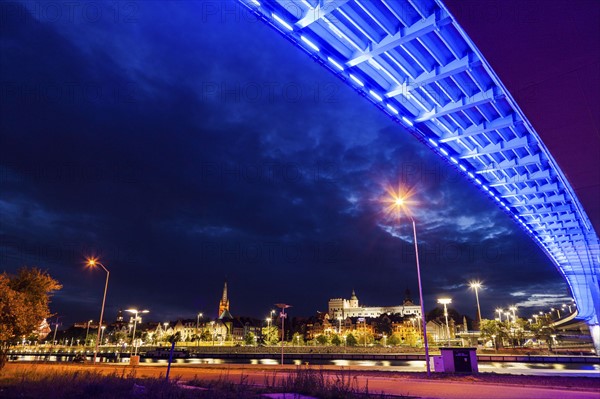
(120, 337)
(249, 339)
(335, 340)
(393, 340)
(516, 332)
(383, 325)
(206, 336)
(351, 340)
(495, 330)
(298, 339)
(175, 337)
(544, 330)
(270, 335)
(322, 339)
(24, 304)
(366, 339)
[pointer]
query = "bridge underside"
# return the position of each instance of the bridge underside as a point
(414, 62)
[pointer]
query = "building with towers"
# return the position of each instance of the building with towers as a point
(343, 308)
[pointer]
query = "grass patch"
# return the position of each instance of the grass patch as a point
(34, 382)
(94, 385)
(338, 385)
(303, 380)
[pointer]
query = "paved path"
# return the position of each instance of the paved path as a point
(465, 387)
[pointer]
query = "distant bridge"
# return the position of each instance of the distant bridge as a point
(413, 61)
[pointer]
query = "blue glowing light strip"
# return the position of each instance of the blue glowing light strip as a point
(436, 121)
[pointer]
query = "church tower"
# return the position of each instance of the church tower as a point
(224, 303)
(353, 303)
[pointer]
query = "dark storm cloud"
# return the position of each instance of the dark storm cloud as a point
(184, 142)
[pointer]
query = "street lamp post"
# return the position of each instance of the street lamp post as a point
(397, 205)
(197, 323)
(268, 320)
(513, 309)
(283, 307)
(499, 314)
(93, 262)
(446, 301)
(135, 312)
(476, 285)
(55, 329)
(212, 334)
(102, 334)
(166, 325)
(87, 332)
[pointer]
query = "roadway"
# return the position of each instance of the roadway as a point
(409, 384)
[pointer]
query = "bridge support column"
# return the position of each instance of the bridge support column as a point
(595, 333)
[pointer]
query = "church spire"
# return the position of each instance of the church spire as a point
(224, 303)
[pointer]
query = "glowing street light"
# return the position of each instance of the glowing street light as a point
(166, 325)
(135, 312)
(513, 309)
(397, 204)
(93, 263)
(212, 328)
(446, 301)
(268, 320)
(197, 323)
(102, 334)
(340, 318)
(55, 329)
(476, 285)
(87, 332)
(283, 307)
(499, 310)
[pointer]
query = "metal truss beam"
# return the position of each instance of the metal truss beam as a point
(321, 10)
(403, 36)
(437, 74)
(518, 142)
(513, 163)
(543, 174)
(546, 188)
(460, 105)
(484, 127)
(558, 198)
(550, 209)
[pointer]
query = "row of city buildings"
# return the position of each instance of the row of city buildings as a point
(344, 316)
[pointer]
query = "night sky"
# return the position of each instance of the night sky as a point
(185, 143)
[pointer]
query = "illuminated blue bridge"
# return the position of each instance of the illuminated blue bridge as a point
(414, 62)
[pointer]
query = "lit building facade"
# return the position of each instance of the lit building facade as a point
(343, 308)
